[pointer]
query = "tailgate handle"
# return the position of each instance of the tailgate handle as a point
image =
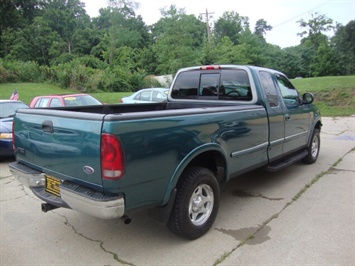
(47, 126)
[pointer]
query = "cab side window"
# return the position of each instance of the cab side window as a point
(288, 91)
(269, 88)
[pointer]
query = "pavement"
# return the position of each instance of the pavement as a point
(301, 215)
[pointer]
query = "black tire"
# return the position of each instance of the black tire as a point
(196, 203)
(313, 148)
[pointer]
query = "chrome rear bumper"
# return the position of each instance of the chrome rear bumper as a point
(72, 196)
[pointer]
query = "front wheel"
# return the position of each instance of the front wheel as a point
(196, 204)
(313, 148)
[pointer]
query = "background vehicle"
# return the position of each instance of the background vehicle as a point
(147, 95)
(170, 157)
(79, 99)
(7, 111)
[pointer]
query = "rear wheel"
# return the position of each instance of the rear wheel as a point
(313, 148)
(196, 204)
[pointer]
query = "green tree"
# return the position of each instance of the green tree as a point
(296, 61)
(119, 27)
(16, 14)
(314, 30)
(255, 47)
(324, 62)
(178, 38)
(39, 47)
(228, 53)
(343, 44)
(315, 39)
(67, 18)
(231, 24)
(261, 27)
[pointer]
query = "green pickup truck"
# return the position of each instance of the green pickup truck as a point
(169, 157)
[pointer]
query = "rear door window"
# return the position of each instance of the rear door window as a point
(143, 96)
(42, 102)
(55, 102)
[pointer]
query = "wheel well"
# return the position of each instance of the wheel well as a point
(213, 161)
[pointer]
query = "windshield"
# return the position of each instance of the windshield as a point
(8, 109)
(80, 100)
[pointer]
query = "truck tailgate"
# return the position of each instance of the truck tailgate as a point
(62, 144)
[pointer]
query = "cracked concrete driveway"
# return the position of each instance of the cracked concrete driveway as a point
(301, 215)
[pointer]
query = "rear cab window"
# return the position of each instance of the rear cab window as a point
(217, 84)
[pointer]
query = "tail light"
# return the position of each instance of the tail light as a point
(211, 67)
(112, 166)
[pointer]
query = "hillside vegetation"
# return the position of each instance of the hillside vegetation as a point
(335, 96)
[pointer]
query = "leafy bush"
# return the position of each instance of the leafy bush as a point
(115, 79)
(73, 75)
(84, 74)
(6, 75)
(17, 71)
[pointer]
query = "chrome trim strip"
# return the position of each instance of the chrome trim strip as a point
(277, 142)
(296, 135)
(250, 150)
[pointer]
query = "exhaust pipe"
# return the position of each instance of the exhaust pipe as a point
(126, 219)
(48, 207)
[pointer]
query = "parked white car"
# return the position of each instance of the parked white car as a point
(149, 95)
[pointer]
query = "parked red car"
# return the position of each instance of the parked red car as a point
(56, 100)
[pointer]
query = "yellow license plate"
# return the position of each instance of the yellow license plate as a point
(52, 185)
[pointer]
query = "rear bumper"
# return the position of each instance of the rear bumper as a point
(72, 196)
(6, 148)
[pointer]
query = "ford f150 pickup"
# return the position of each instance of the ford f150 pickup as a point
(217, 123)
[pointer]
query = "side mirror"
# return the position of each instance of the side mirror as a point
(307, 98)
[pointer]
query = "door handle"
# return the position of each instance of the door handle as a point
(47, 126)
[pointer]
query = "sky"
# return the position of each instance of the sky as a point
(282, 15)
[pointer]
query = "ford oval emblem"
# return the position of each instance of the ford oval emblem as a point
(88, 169)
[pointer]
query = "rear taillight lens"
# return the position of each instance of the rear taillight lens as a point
(112, 167)
(210, 67)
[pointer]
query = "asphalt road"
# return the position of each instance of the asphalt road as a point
(304, 214)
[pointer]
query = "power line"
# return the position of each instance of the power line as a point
(293, 18)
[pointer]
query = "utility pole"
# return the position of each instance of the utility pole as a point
(208, 16)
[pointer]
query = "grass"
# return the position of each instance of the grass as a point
(334, 96)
